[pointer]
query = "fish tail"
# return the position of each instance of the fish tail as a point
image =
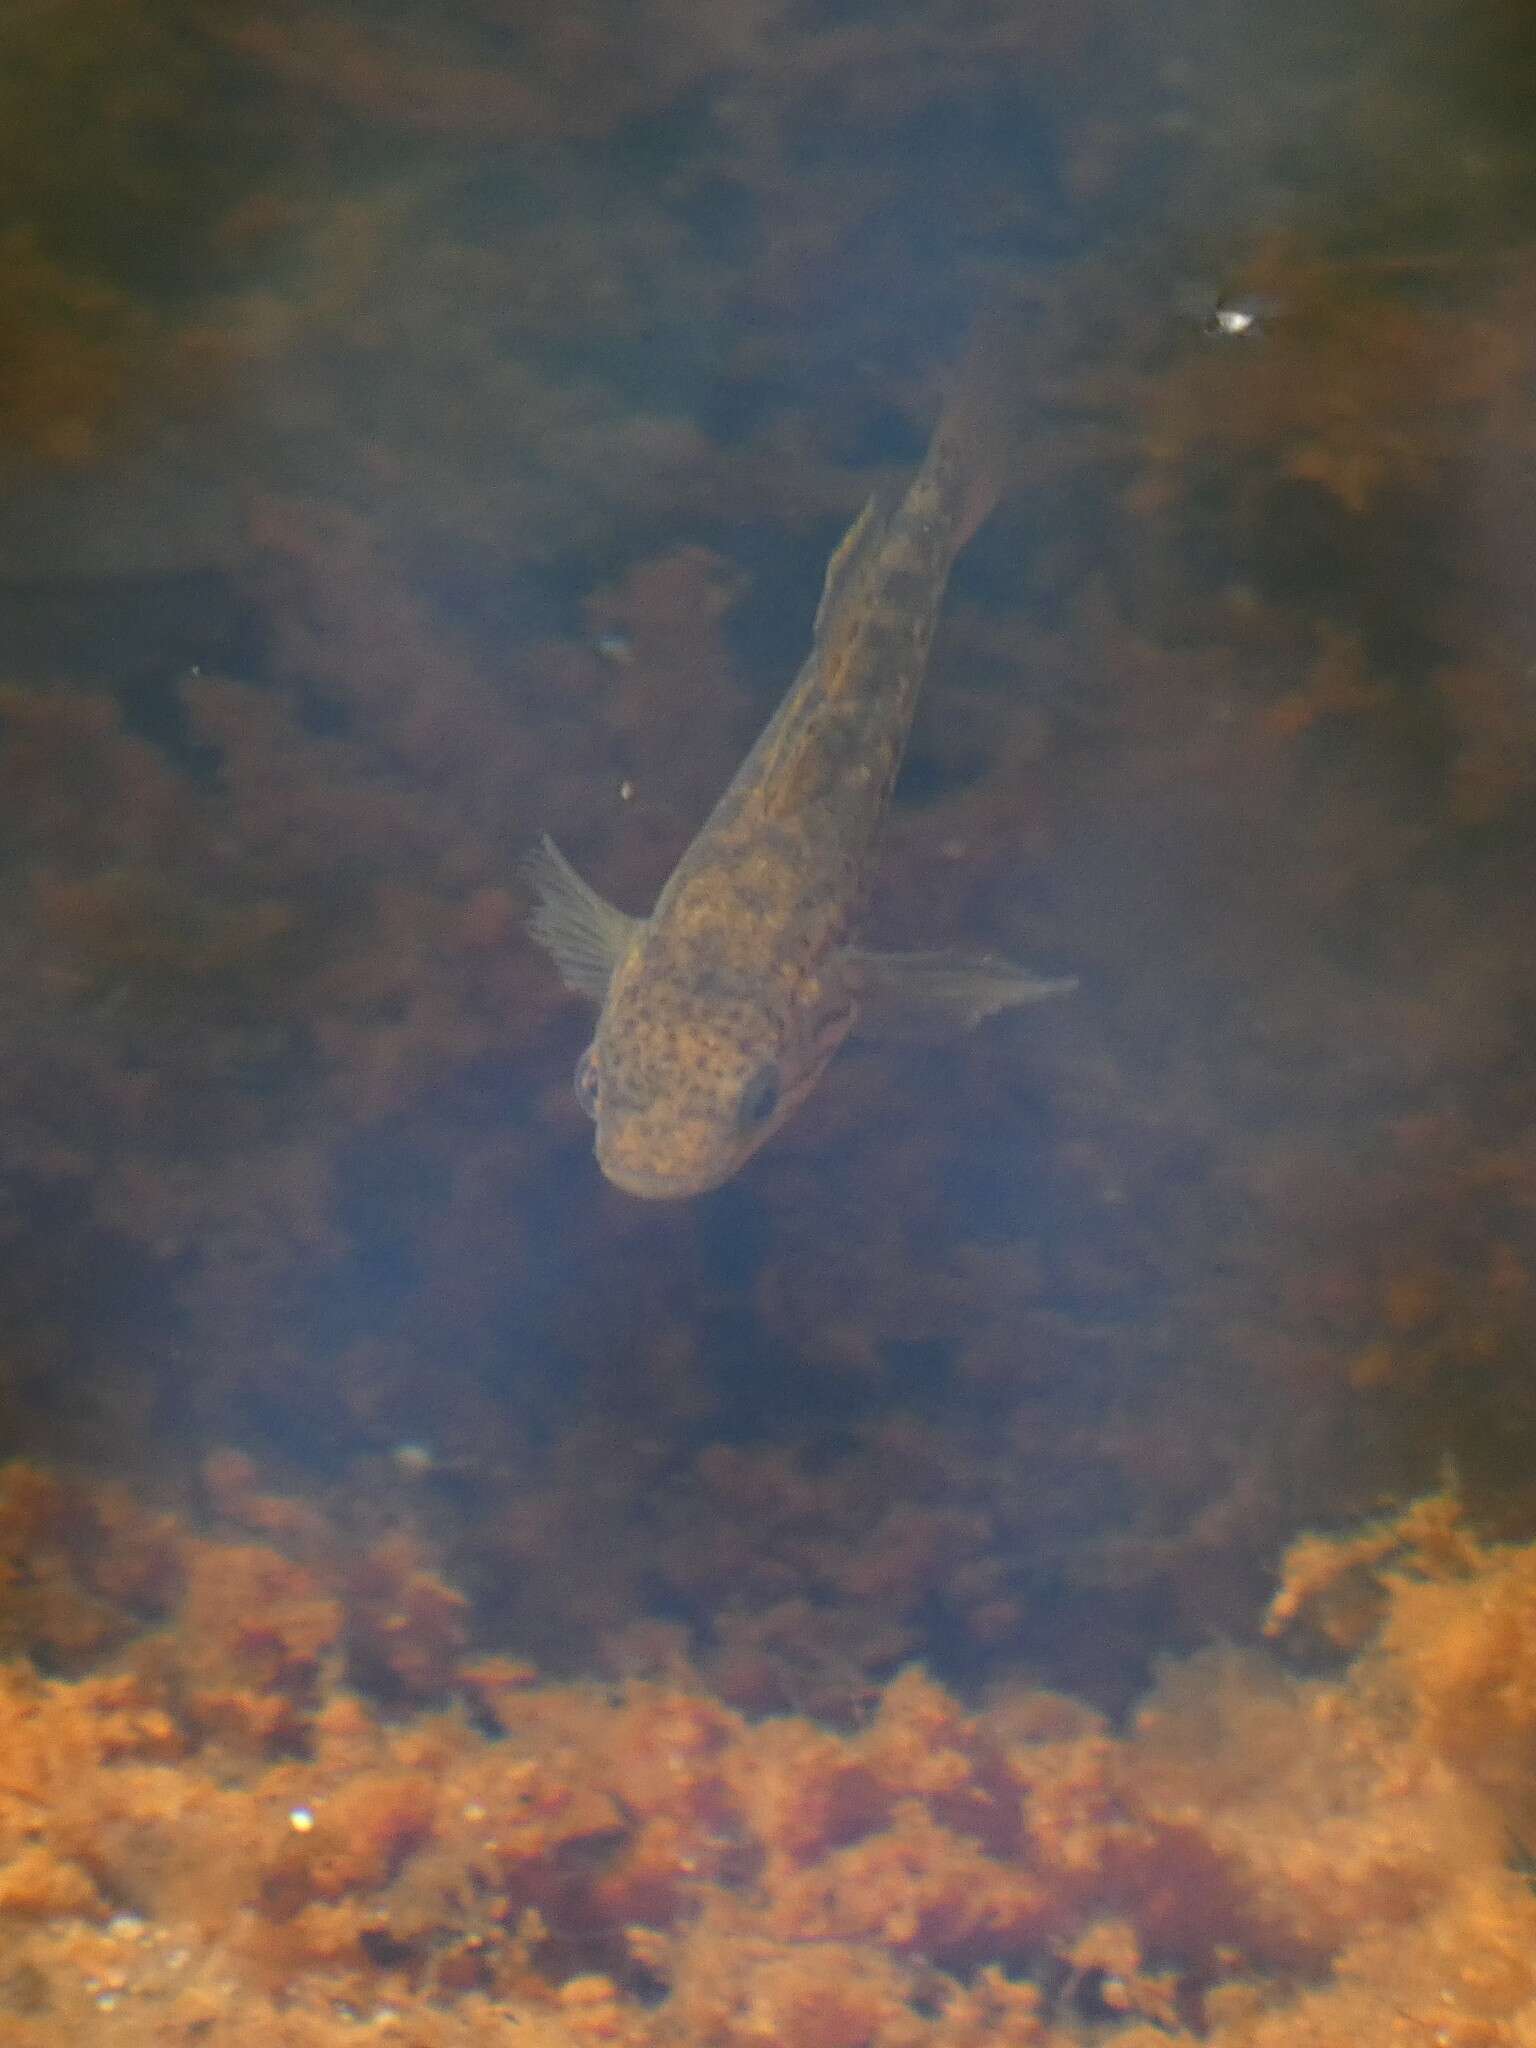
(972, 454)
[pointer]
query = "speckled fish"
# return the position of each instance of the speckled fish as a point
(720, 1010)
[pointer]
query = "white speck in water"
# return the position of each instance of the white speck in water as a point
(1239, 316)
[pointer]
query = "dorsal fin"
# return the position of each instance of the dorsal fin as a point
(852, 551)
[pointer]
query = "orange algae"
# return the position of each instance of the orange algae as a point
(260, 1786)
(217, 1835)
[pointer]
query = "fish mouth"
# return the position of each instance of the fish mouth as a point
(650, 1186)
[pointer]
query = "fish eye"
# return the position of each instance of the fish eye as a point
(759, 1099)
(587, 1081)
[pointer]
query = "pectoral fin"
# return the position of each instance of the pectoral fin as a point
(923, 997)
(582, 930)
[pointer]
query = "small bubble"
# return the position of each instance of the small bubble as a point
(1239, 316)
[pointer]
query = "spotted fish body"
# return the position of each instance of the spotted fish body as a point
(720, 1010)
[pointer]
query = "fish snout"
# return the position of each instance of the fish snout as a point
(684, 1163)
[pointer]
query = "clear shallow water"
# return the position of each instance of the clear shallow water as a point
(427, 428)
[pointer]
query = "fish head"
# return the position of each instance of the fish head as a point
(684, 1084)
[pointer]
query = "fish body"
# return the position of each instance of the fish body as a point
(720, 1010)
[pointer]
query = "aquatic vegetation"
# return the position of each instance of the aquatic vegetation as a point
(209, 1825)
(740, 1626)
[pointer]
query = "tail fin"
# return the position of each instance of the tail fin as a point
(977, 439)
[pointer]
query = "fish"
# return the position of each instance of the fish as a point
(718, 1012)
